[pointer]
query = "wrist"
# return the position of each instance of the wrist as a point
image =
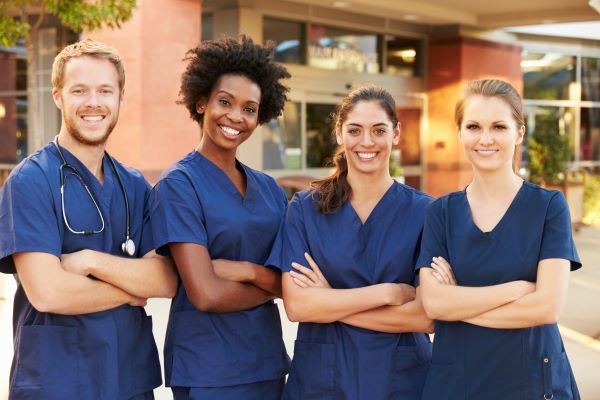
(250, 272)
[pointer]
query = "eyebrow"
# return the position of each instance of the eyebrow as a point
(231, 95)
(359, 125)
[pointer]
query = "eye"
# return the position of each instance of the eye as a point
(106, 91)
(353, 131)
(77, 91)
(472, 127)
(250, 110)
(380, 131)
(500, 127)
(224, 102)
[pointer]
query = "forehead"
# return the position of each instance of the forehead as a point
(239, 87)
(90, 71)
(367, 113)
(487, 108)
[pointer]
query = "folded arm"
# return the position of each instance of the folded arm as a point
(149, 276)
(444, 300)
(205, 289)
(542, 306)
(247, 272)
(51, 289)
(409, 317)
(307, 296)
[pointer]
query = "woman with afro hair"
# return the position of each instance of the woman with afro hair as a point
(218, 219)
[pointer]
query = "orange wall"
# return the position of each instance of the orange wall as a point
(452, 62)
(153, 131)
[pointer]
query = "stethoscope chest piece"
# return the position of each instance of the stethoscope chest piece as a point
(128, 247)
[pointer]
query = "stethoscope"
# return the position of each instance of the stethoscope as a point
(128, 246)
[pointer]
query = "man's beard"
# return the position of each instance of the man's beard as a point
(76, 134)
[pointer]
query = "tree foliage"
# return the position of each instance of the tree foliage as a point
(76, 14)
(549, 151)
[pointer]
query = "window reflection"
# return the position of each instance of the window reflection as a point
(289, 39)
(341, 49)
(320, 141)
(590, 79)
(552, 120)
(282, 140)
(590, 134)
(13, 104)
(402, 56)
(549, 76)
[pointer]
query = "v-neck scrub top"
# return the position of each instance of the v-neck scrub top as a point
(105, 355)
(195, 202)
(339, 361)
(474, 362)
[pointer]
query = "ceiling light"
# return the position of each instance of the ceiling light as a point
(411, 17)
(341, 4)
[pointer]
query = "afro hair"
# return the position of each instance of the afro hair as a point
(215, 58)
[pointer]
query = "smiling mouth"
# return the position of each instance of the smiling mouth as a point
(366, 155)
(93, 118)
(230, 131)
(487, 152)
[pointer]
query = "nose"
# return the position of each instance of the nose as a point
(487, 137)
(235, 115)
(92, 99)
(366, 139)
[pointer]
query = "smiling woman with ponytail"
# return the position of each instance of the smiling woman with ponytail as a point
(348, 252)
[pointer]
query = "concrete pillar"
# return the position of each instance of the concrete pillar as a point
(453, 61)
(153, 131)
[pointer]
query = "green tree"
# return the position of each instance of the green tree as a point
(549, 151)
(16, 15)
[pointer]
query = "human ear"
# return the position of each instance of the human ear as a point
(56, 98)
(397, 131)
(338, 136)
(201, 106)
(520, 134)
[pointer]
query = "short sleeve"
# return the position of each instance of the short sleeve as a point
(27, 218)
(176, 214)
(557, 238)
(274, 259)
(147, 240)
(433, 240)
(293, 236)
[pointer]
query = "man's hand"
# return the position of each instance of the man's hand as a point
(80, 262)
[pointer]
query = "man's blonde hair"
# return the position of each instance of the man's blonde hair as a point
(86, 47)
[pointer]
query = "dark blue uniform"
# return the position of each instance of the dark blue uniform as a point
(339, 361)
(223, 355)
(105, 355)
(473, 362)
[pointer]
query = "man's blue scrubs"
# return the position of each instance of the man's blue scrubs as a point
(473, 362)
(339, 361)
(105, 355)
(220, 355)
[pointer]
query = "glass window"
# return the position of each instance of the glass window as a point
(13, 129)
(342, 49)
(289, 38)
(403, 56)
(320, 142)
(207, 27)
(282, 140)
(549, 76)
(590, 79)
(590, 134)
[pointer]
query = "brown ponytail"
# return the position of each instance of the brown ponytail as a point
(332, 192)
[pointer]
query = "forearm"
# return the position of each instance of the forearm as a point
(50, 288)
(456, 303)
(151, 276)
(409, 317)
(325, 305)
(227, 296)
(247, 272)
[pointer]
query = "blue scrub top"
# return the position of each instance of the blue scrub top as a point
(104, 355)
(195, 202)
(336, 360)
(473, 362)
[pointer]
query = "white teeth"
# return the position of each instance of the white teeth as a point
(93, 118)
(366, 156)
(230, 131)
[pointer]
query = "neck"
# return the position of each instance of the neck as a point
(369, 186)
(89, 155)
(495, 184)
(222, 159)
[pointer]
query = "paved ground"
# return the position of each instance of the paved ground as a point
(580, 322)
